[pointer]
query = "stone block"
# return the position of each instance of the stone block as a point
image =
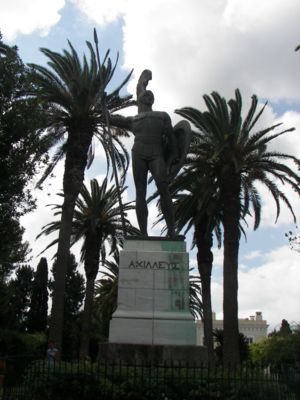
(179, 300)
(124, 330)
(126, 257)
(177, 332)
(126, 299)
(136, 278)
(144, 300)
(171, 280)
(153, 294)
(161, 300)
(154, 244)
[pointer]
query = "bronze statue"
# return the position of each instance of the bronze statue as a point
(155, 149)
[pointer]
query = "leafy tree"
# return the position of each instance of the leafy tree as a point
(294, 239)
(278, 351)
(20, 344)
(285, 328)
(74, 91)
(21, 153)
(244, 351)
(236, 159)
(37, 316)
(97, 220)
(5, 295)
(73, 299)
(20, 292)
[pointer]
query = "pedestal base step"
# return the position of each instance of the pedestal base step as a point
(152, 331)
(133, 354)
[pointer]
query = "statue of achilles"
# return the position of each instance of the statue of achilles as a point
(156, 149)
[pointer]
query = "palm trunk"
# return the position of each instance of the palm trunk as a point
(86, 319)
(231, 192)
(205, 260)
(76, 159)
(93, 245)
(63, 254)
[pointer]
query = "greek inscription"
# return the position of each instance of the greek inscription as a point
(131, 265)
(142, 264)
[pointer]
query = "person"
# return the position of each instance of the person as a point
(153, 150)
(52, 353)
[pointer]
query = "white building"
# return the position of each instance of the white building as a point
(254, 328)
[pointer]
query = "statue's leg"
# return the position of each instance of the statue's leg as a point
(158, 170)
(140, 171)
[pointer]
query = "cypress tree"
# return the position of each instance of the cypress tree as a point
(37, 317)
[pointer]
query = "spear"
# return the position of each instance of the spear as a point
(109, 134)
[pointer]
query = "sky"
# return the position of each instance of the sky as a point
(192, 47)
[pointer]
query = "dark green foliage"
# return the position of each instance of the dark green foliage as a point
(88, 381)
(37, 316)
(13, 343)
(73, 298)
(12, 247)
(19, 297)
(285, 328)
(21, 152)
(4, 303)
(74, 292)
(281, 355)
(243, 345)
(278, 350)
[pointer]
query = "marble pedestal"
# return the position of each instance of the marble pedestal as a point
(153, 294)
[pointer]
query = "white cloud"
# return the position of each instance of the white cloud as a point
(289, 142)
(28, 16)
(218, 257)
(43, 215)
(203, 46)
(104, 12)
(208, 46)
(272, 287)
(253, 255)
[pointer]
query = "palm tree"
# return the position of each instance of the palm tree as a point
(72, 92)
(191, 212)
(97, 221)
(106, 292)
(195, 295)
(236, 159)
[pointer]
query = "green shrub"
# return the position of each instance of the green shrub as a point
(13, 343)
(75, 381)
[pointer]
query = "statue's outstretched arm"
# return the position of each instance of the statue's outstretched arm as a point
(120, 121)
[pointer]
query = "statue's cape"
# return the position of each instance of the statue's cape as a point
(183, 134)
